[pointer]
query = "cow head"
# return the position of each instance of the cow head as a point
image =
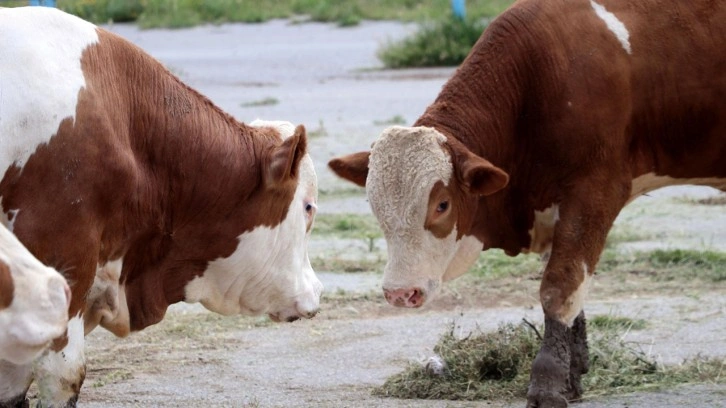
(34, 302)
(423, 189)
(278, 279)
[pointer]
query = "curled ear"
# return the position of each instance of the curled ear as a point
(353, 167)
(284, 160)
(478, 175)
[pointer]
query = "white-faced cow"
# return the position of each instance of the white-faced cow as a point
(33, 302)
(563, 112)
(142, 192)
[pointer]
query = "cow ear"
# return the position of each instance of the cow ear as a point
(478, 175)
(353, 167)
(284, 159)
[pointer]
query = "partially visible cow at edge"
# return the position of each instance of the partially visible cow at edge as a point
(563, 112)
(142, 192)
(33, 302)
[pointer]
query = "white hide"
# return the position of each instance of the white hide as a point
(106, 301)
(14, 379)
(543, 230)
(614, 25)
(39, 310)
(58, 373)
(40, 76)
(404, 165)
(574, 304)
(270, 271)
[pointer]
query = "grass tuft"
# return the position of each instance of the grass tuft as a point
(269, 101)
(496, 365)
(442, 43)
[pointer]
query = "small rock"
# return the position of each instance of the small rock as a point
(435, 365)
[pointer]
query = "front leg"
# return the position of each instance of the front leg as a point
(577, 243)
(579, 357)
(14, 383)
(60, 374)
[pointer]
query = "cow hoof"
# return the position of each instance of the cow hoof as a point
(71, 403)
(18, 402)
(542, 399)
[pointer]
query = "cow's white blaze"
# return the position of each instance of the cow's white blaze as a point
(38, 312)
(405, 163)
(270, 271)
(614, 24)
(573, 305)
(41, 77)
(58, 375)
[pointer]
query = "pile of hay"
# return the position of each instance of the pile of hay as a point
(496, 366)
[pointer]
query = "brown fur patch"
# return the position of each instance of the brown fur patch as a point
(7, 287)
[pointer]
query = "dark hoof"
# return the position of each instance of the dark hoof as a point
(18, 402)
(542, 399)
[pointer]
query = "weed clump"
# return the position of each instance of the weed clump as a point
(479, 366)
(496, 366)
(446, 42)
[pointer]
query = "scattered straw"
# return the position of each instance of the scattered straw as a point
(496, 366)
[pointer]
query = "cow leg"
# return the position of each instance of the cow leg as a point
(579, 357)
(579, 238)
(14, 383)
(60, 374)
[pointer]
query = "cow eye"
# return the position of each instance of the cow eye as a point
(309, 207)
(443, 206)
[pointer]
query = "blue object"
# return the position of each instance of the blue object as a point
(458, 7)
(46, 3)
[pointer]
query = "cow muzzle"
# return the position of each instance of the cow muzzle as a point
(294, 314)
(409, 297)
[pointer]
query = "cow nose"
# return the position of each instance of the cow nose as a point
(414, 297)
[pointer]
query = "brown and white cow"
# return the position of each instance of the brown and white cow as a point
(563, 112)
(142, 192)
(34, 301)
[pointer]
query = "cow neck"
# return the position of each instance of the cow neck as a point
(196, 165)
(479, 107)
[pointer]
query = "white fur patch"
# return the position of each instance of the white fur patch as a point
(106, 301)
(40, 76)
(56, 373)
(38, 311)
(614, 25)
(574, 304)
(467, 252)
(543, 230)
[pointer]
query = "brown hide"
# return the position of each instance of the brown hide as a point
(151, 171)
(550, 95)
(7, 287)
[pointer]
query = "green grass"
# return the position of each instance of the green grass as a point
(393, 120)
(667, 265)
(495, 264)
(269, 101)
(187, 13)
(496, 366)
(347, 226)
(444, 42)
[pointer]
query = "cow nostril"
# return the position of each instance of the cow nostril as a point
(292, 319)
